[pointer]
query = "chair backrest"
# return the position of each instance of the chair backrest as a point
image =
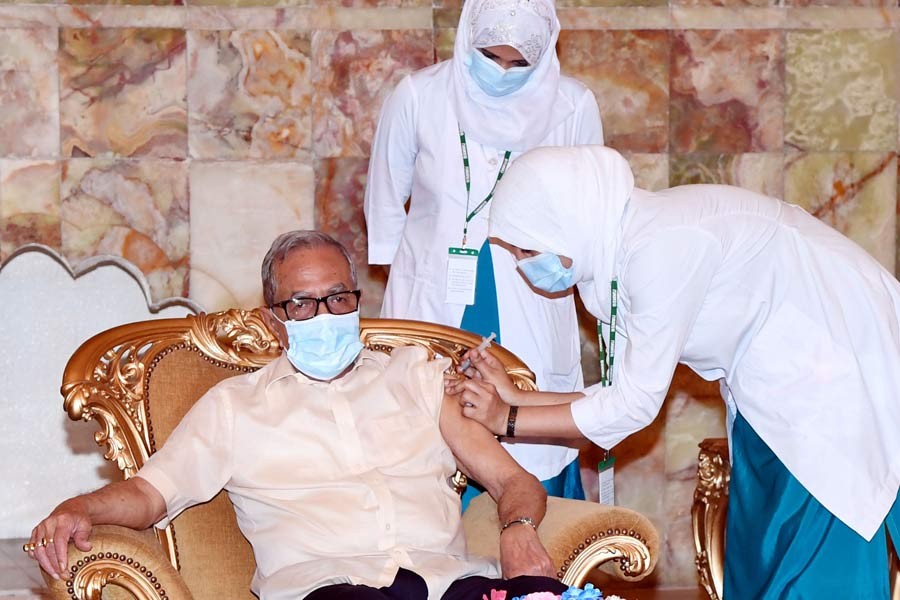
(138, 380)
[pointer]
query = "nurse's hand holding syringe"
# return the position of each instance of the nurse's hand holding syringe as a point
(484, 345)
(487, 392)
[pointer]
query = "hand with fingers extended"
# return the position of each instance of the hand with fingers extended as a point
(485, 366)
(480, 401)
(49, 543)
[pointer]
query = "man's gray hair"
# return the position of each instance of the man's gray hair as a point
(286, 243)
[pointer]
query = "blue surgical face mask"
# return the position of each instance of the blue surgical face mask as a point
(322, 347)
(493, 79)
(545, 272)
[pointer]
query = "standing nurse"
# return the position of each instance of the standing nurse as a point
(800, 325)
(445, 137)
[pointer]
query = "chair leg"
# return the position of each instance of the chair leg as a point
(709, 512)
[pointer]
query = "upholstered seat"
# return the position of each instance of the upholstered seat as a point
(138, 380)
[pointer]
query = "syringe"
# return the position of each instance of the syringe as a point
(485, 343)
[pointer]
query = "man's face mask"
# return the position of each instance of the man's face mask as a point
(322, 347)
(493, 79)
(545, 272)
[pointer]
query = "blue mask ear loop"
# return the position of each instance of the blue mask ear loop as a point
(607, 360)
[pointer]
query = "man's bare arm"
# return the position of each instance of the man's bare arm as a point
(132, 503)
(519, 495)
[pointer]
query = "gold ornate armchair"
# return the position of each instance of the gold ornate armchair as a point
(708, 514)
(138, 380)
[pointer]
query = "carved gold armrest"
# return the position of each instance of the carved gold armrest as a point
(709, 512)
(123, 562)
(579, 536)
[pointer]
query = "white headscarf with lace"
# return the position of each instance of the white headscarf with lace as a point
(520, 120)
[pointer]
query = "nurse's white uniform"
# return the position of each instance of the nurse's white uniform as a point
(801, 324)
(416, 154)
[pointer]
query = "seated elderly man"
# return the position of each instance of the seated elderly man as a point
(336, 459)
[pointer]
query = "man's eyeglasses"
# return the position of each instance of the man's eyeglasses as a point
(301, 309)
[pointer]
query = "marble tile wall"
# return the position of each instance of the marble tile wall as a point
(183, 135)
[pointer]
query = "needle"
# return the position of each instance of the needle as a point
(485, 343)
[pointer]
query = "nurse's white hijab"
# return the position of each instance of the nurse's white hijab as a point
(520, 120)
(568, 201)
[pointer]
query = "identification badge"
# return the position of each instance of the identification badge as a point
(462, 266)
(607, 483)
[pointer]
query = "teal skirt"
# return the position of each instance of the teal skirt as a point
(781, 543)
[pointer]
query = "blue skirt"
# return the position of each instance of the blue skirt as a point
(781, 543)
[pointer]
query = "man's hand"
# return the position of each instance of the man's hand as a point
(521, 553)
(133, 503)
(68, 521)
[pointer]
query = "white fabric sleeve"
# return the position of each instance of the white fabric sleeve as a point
(666, 281)
(589, 128)
(196, 461)
(391, 168)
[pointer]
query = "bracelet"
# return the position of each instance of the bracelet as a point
(523, 520)
(511, 421)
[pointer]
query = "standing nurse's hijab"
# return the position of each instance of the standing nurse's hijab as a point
(568, 201)
(520, 119)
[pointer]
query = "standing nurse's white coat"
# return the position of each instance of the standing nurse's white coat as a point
(416, 154)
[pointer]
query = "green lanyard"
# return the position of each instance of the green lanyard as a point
(606, 359)
(468, 174)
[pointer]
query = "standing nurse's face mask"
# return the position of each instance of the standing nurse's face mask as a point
(322, 347)
(545, 272)
(493, 79)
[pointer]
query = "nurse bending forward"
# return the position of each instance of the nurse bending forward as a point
(445, 137)
(799, 324)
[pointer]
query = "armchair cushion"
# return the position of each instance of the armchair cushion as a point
(578, 535)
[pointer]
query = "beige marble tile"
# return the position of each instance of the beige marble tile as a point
(760, 172)
(115, 15)
(308, 18)
(29, 93)
(134, 209)
(841, 90)
(856, 193)
(651, 171)
(628, 71)
(26, 16)
(340, 187)
(250, 94)
(615, 17)
(237, 210)
(727, 91)
(728, 18)
(355, 72)
(847, 17)
(123, 92)
(443, 44)
(29, 204)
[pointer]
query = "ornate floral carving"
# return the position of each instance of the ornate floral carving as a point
(708, 514)
(625, 548)
(91, 574)
(235, 336)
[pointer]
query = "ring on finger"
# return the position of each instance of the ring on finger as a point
(29, 547)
